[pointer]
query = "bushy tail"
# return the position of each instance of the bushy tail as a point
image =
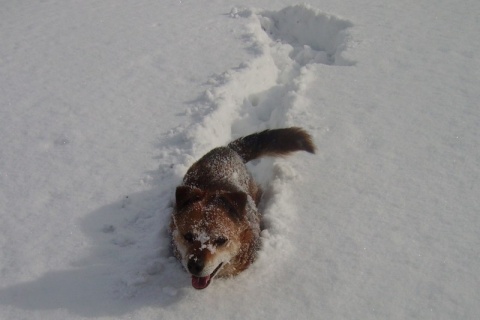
(276, 142)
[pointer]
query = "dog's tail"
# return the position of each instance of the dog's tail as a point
(276, 142)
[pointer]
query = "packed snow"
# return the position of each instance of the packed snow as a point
(105, 105)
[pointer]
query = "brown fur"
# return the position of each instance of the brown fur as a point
(215, 224)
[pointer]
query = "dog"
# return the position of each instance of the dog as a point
(215, 224)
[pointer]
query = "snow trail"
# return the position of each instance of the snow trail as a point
(263, 92)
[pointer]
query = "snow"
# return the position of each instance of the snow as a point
(105, 105)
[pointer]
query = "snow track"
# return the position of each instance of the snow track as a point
(263, 92)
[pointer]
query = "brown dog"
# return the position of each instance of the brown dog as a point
(215, 224)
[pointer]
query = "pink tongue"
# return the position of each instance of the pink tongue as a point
(200, 282)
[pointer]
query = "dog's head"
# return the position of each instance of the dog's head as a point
(207, 230)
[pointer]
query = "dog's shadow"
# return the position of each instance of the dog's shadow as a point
(129, 266)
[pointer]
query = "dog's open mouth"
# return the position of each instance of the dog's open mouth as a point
(203, 282)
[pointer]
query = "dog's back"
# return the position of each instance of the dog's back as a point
(223, 168)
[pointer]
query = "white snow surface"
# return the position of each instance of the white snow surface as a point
(105, 104)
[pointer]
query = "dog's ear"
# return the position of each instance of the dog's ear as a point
(236, 202)
(185, 195)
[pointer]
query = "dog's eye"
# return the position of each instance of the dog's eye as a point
(188, 237)
(220, 241)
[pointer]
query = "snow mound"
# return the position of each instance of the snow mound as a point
(315, 36)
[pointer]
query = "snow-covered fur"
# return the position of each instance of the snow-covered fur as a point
(215, 225)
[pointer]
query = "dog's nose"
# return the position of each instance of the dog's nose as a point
(195, 266)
